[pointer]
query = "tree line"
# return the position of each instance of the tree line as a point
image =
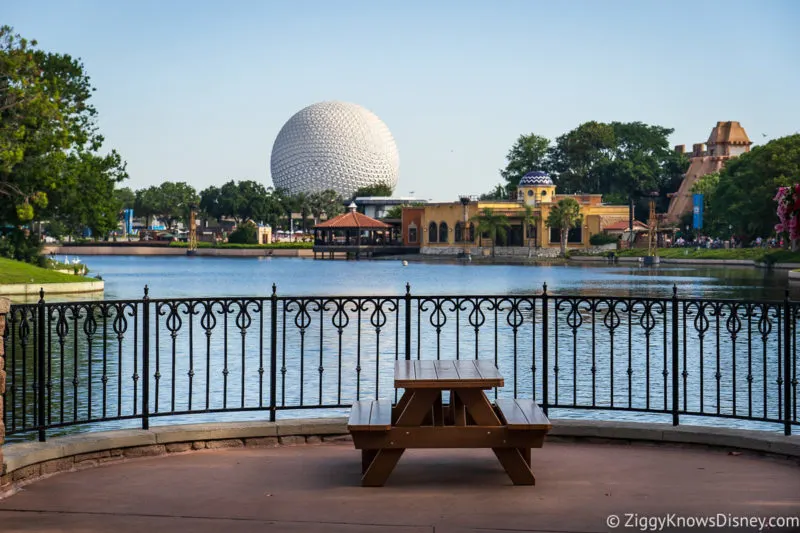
(633, 160)
(618, 160)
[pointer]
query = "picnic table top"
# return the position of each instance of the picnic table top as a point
(444, 374)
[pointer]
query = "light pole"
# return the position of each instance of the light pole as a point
(465, 200)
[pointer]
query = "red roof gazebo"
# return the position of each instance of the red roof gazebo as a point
(351, 232)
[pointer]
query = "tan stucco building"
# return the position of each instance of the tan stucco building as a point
(447, 228)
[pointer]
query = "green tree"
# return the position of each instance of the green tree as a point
(45, 116)
(210, 203)
(747, 186)
(618, 160)
(495, 225)
(245, 233)
(86, 196)
(564, 216)
(326, 203)
(146, 203)
(528, 153)
(125, 197)
(529, 220)
(49, 167)
(500, 192)
(378, 189)
(175, 201)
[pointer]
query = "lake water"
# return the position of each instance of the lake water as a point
(211, 355)
(177, 277)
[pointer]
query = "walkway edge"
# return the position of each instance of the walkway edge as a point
(27, 289)
(25, 462)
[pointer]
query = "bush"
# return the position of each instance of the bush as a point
(246, 233)
(20, 247)
(599, 239)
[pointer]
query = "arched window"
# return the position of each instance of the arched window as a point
(459, 237)
(433, 232)
(443, 237)
(471, 235)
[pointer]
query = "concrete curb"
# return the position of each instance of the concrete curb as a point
(29, 289)
(25, 462)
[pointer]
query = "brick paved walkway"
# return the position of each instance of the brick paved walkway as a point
(316, 488)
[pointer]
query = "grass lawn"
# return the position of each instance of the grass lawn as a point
(16, 272)
(763, 255)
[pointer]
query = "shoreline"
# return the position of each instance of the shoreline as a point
(110, 250)
(168, 250)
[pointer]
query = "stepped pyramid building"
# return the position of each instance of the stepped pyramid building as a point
(727, 140)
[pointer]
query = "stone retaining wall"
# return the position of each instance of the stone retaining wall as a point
(28, 461)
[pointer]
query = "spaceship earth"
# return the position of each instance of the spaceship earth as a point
(334, 145)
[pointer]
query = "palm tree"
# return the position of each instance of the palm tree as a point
(565, 216)
(528, 219)
(494, 225)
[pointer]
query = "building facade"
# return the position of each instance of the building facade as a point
(727, 140)
(450, 228)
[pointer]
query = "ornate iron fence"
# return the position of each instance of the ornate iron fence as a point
(82, 363)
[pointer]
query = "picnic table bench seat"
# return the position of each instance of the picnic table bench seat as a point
(370, 415)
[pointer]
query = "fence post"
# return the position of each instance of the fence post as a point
(787, 365)
(146, 359)
(40, 366)
(273, 353)
(675, 356)
(545, 320)
(408, 321)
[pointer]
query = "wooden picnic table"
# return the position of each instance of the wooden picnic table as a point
(510, 427)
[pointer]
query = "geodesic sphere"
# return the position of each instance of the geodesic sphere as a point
(334, 145)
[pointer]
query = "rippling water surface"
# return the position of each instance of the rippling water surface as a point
(177, 277)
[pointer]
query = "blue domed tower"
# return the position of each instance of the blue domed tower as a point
(536, 188)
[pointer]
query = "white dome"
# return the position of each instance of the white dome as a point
(334, 145)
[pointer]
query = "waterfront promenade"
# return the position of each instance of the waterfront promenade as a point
(315, 487)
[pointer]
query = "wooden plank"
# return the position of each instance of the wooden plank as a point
(439, 375)
(381, 414)
(381, 467)
(467, 370)
(522, 414)
(448, 437)
(515, 466)
(362, 417)
(489, 371)
(438, 411)
(359, 416)
(446, 370)
(534, 413)
(512, 414)
(457, 407)
(404, 371)
(426, 371)
(478, 407)
(367, 456)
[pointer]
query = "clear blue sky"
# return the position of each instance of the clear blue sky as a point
(198, 90)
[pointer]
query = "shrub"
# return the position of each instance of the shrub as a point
(246, 233)
(598, 239)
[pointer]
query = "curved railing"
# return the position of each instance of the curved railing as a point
(127, 361)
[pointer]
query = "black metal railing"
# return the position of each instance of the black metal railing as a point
(82, 363)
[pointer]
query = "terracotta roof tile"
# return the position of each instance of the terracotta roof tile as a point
(352, 220)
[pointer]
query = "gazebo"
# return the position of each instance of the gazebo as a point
(351, 232)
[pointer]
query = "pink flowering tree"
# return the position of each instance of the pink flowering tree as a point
(788, 199)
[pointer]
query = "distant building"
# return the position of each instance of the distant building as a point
(727, 140)
(378, 206)
(447, 228)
